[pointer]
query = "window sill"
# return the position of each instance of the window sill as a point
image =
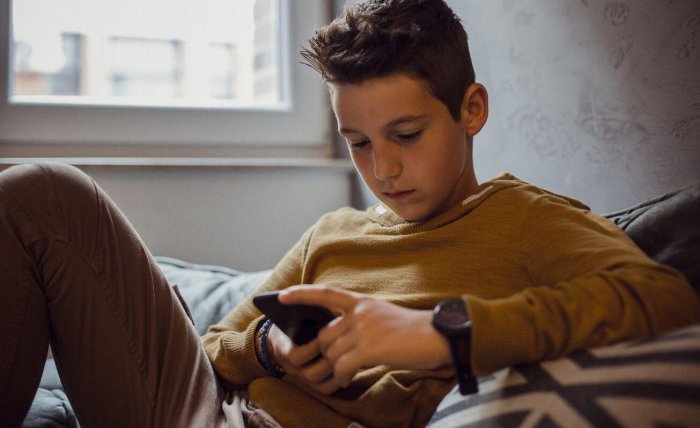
(340, 165)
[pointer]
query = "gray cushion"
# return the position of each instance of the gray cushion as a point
(667, 228)
(50, 407)
(210, 291)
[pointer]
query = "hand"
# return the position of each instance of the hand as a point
(370, 332)
(302, 361)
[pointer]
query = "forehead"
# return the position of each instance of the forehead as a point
(378, 101)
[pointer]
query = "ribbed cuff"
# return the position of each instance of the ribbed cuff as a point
(501, 334)
(233, 355)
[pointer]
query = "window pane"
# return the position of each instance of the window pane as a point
(48, 73)
(177, 52)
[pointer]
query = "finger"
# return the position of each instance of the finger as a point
(320, 295)
(341, 346)
(336, 329)
(300, 355)
(346, 367)
(317, 371)
(289, 356)
(282, 346)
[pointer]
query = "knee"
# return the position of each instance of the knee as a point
(20, 176)
(20, 181)
(34, 178)
(46, 187)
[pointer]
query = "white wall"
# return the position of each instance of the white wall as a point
(596, 99)
(242, 218)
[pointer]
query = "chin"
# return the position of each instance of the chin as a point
(409, 212)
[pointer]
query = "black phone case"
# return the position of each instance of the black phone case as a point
(301, 323)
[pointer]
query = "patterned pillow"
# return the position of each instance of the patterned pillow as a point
(649, 383)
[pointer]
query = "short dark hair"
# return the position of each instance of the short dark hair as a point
(377, 38)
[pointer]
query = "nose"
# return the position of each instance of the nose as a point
(387, 160)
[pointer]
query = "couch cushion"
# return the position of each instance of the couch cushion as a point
(667, 228)
(653, 382)
(50, 408)
(210, 291)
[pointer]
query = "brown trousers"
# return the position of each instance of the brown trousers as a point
(74, 273)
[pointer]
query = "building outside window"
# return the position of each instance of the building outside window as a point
(158, 51)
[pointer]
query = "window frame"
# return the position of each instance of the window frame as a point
(301, 126)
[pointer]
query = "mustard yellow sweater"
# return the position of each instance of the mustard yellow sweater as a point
(541, 275)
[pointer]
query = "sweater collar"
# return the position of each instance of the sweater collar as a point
(381, 214)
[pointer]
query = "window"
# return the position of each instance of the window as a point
(166, 73)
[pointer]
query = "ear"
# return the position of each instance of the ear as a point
(475, 109)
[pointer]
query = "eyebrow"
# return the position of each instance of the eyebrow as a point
(393, 123)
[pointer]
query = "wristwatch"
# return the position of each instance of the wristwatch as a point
(451, 319)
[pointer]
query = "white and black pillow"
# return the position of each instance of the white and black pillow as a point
(649, 383)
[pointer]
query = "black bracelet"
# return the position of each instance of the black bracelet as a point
(275, 370)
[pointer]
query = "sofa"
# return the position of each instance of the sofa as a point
(654, 382)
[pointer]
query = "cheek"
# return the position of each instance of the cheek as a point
(455, 154)
(363, 165)
(446, 157)
(444, 164)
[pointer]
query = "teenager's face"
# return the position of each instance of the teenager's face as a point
(405, 144)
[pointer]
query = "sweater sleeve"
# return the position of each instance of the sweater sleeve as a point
(592, 286)
(230, 344)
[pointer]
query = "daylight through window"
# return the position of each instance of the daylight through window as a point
(173, 52)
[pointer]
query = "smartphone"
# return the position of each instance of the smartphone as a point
(301, 323)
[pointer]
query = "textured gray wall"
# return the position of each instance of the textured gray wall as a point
(596, 99)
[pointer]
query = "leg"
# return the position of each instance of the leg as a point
(73, 271)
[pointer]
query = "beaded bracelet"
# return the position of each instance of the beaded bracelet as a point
(275, 370)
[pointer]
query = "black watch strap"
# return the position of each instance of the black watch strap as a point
(451, 318)
(461, 356)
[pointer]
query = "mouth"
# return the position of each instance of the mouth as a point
(398, 195)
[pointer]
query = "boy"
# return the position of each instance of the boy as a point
(537, 274)
(527, 274)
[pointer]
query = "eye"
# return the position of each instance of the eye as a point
(412, 136)
(358, 145)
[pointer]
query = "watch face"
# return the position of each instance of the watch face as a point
(452, 313)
